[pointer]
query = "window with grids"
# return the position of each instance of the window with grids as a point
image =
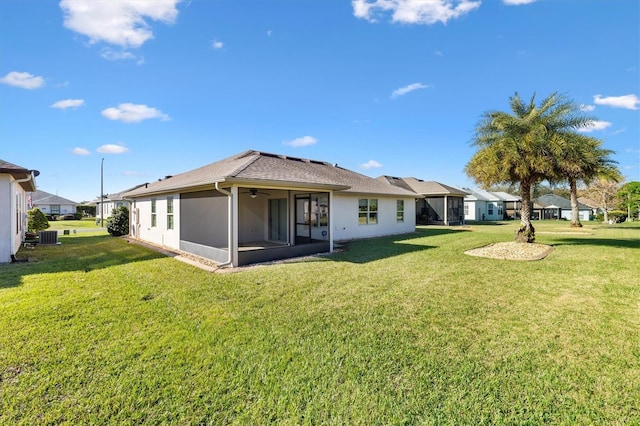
(490, 209)
(367, 211)
(153, 212)
(169, 212)
(400, 211)
(466, 209)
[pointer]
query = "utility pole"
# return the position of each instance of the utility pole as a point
(102, 193)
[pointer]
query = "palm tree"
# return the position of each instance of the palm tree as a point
(581, 158)
(517, 147)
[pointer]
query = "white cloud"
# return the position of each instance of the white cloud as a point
(119, 55)
(23, 80)
(413, 11)
(112, 149)
(132, 113)
(594, 126)
(406, 89)
(626, 101)
(587, 108)
(81, 151)
(371, 164)
(68, 103)
(517, 2)
(217, 44)
(122, 22)
(303, 141)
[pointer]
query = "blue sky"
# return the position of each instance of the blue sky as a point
(391, 87)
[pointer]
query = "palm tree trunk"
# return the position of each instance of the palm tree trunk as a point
(526, 233)
(575, 214)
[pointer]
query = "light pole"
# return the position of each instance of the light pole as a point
(102, 193)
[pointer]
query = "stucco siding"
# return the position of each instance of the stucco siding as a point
(13, 220)
(345, 217)
(158, 234)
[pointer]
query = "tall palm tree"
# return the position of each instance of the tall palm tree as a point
(581, 158)
(516, 147)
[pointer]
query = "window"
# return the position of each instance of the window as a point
(400, 211)
(169, 212)
(490, 209)
(466, 209)
(153, 212)
(367, 211)
(500, 210)
(55, 209)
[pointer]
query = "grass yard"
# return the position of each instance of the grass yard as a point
(399, 330)
(85, 223)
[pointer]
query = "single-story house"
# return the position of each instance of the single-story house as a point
(484, 205)
(255, 206)
(552, 206)
(112, 201)
(15, 182)
(52, 205)
(436, 203)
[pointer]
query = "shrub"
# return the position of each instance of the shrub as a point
(618, 216)
(37, 221)
(118, 222)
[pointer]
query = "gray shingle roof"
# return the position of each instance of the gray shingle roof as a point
(43, 197)
(548, 200)
(422, 187)
(255, 167)
(19, 172)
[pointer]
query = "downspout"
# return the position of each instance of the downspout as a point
(229, 227)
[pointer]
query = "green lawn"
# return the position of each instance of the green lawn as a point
(401, 330)
(88, 222)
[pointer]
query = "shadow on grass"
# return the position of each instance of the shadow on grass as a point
(606, 242)
(372, 249)
(75, 253)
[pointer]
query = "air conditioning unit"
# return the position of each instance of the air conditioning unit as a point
(48, 237)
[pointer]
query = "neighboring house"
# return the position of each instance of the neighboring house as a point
(113, 201)
(254, 207)
(484, 205)
(551, 206)
(52, 205)
(436, 203)
(595, 209)
(15, 182)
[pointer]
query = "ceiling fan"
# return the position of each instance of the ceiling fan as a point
(253, 193)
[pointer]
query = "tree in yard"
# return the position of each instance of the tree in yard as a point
(518, 148)
(118, 222)
(36, 221)
(580, 158)
(630, 198)
(604, 191)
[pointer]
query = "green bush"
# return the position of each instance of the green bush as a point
(118, 222)
(37, 220)
(618, 216)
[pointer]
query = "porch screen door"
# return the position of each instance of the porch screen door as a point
(278, 219)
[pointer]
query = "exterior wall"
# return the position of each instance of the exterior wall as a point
(159, 234)
(13, 217)
(583, 215)
(64, 208)
(478, 208)
(345, 217)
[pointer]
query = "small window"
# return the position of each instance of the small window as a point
(55, 209)
(169, 212)
(367, 211)
(153, 212)
(500, 210)
(466, 209)
(490, 209)
(400, 211)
